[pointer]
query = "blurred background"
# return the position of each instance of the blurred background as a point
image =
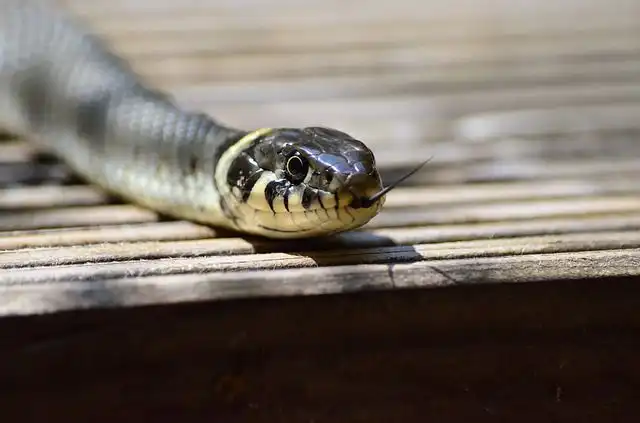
(493, 89)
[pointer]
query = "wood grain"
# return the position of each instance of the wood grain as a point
(182, 280)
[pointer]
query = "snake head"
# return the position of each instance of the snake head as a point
(328, 161)
(291, 182)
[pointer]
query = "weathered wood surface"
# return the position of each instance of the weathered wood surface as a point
(499, 284)
(532, 125)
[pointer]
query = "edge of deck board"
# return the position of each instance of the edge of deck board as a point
(198, 282)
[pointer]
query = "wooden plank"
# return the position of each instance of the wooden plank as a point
(12, 151)
(234, 6)
(589, 119)
(413, 108)
(375, 35)
(14, 174)
(426, 196)
(507, 169)
(297, 16)
(130, 261)
(24, 292)
(201, 67)
(75, 216)
(316, 85)
(180, 230)
(343, 250)
(525, 210)
(366, 36)
(48, 196)
(91, 234)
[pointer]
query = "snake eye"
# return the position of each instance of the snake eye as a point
(297, 168)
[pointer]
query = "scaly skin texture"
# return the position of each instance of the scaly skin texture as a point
(62, 88)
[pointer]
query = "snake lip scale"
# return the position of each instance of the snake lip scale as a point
(62, 88)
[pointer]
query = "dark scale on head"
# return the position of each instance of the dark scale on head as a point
(307, 197)
(275, 189)
(285, 198)
(243, 174)
(249, 184)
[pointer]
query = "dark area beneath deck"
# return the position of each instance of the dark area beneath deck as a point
(539, 352)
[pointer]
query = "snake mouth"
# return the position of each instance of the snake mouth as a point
(364, 202)
(342, 213)
(317, 222)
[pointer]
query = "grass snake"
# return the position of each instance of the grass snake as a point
(65, 90)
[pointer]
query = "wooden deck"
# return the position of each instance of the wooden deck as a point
(532, 115)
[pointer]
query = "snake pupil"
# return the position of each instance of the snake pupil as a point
(297, 168)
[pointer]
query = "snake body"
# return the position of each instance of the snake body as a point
(62, 88)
